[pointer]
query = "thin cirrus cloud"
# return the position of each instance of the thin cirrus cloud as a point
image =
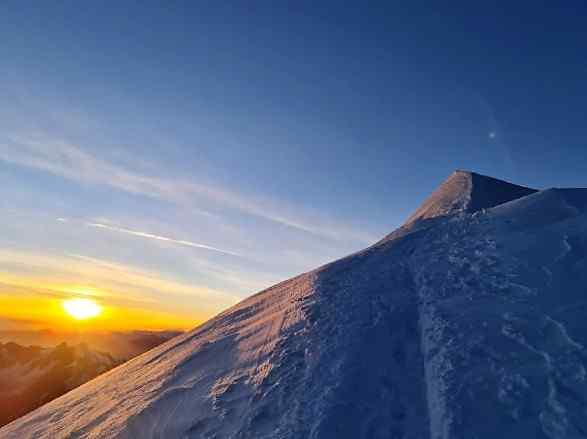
(158, 237)
(33, 285)
(72, 162)
(117, 281)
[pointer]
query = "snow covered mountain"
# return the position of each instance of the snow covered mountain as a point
(467, 322)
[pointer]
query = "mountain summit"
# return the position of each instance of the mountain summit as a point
(466, 191)
(472, 326)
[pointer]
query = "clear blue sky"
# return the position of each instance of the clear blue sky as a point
(281, 134)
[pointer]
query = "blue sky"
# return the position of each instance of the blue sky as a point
(224, 146)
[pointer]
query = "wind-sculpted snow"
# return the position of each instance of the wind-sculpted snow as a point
(503, 320)
(472, 326)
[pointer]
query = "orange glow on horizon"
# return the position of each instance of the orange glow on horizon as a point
(33, 293)
(38, 312)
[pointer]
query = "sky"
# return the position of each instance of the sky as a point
(168, 159)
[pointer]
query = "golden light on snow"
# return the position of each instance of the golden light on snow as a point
(82, 309)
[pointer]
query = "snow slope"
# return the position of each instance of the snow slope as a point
(468, 322)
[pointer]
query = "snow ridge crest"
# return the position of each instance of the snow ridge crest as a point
(466, 191)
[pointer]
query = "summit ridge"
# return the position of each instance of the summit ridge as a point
(466, 191)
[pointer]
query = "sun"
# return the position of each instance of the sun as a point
(82, 309)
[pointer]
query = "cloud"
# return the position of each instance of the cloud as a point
(71, 162)
(122, 284)
(159, 238)
(74, 163)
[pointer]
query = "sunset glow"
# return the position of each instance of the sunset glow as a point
(82, 309)
(35, 290)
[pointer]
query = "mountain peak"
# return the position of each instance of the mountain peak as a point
(466, 191)
(428, 336)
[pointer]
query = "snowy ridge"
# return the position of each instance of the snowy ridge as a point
(466, 191)
(471, 327)
(462, 192)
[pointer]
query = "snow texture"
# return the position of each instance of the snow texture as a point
(467, 323)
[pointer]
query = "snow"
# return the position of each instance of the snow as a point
(453, 330)
(465, 191)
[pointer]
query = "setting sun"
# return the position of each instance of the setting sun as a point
(82, 309)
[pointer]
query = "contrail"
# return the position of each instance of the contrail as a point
(160, 238)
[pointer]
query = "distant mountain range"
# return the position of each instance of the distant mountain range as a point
(468, 322)
(120, 345)
(31, 376)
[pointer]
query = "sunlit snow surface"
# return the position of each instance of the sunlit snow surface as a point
(469, 326)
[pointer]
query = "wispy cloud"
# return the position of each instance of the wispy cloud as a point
(74, 163)
(159, 238)
(59, 275)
